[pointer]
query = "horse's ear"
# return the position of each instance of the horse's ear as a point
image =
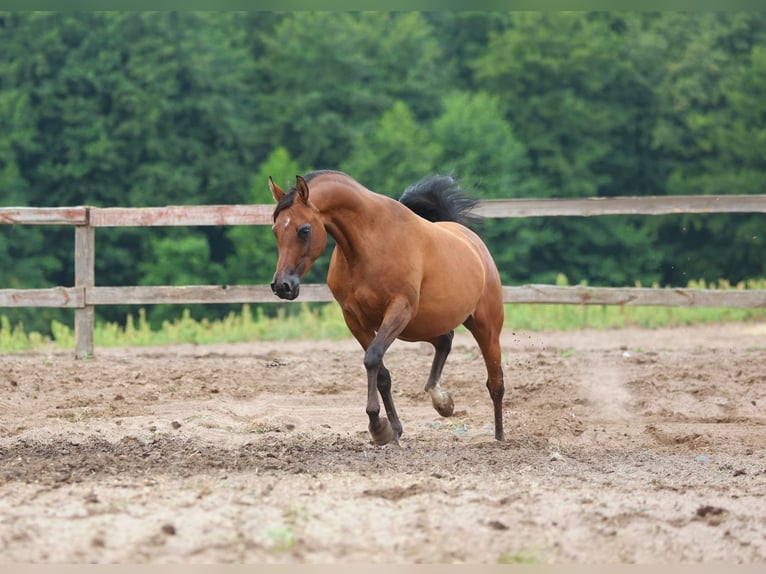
(303, 188)
(275, 190)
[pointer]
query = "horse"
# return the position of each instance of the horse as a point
(408, 269)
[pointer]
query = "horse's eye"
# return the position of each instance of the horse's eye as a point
(304, 231)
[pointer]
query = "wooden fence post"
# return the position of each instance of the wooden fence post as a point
(84, 279)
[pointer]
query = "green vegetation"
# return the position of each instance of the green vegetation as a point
(281, 538)
(135, 109)
(325, 321)
(309, 322)
(521, 557)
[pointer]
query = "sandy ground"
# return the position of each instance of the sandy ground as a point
(622, 446)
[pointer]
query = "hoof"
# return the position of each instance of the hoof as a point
(442, 402)
(384, 434)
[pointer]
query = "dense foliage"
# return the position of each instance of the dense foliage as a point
(140, 109)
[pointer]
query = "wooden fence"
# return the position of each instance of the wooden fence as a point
(85, 295)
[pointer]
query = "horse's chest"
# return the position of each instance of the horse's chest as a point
(363, 301)
(366, 289)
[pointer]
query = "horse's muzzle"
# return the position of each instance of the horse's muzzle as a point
(288, 288)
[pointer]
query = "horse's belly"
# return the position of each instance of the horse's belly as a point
(449, 289)
(444, 304)
(434, 315)
(421, 329)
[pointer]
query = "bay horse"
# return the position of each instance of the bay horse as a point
(408, 269)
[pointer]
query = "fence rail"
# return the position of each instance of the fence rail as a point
(645, 205)
(85, 295)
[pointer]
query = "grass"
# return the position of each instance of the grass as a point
(14, 338)
(521, 557)
(281, 538)
(326, 322)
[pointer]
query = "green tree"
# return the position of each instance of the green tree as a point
(392, 153)
(711, 135)
(125, 109)
(577, 90)
(478, 145)
(324, 76)
(464, 36)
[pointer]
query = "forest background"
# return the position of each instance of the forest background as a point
(139, 109)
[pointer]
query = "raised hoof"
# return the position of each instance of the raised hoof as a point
(383, 434)
(443, 403)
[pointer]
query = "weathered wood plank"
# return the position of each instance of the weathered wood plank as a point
(67, 297)
(538, 294)
(635, 296)
(85, 278)
(72, 297)
(176, 215)
(44, 215)
(646, 205)
(190, 294)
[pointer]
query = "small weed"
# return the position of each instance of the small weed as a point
(261, 428)
(155, 436)
(520, 557)
(251, 428)
(79, 415)
(448, 425)
(281, 537)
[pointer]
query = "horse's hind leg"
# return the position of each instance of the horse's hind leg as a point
(441, 400)
(488, 337)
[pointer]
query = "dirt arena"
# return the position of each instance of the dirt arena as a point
(622, 446)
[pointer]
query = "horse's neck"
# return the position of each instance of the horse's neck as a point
(349, 212)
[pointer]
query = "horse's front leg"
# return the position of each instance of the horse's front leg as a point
(384, 430)
(384, 388)
(380, 428)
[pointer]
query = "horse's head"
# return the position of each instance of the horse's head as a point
(301, 237)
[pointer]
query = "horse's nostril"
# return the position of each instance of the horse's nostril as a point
(286, 287)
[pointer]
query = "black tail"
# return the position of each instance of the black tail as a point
(439, 198)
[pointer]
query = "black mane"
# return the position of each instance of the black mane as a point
(287, 200)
